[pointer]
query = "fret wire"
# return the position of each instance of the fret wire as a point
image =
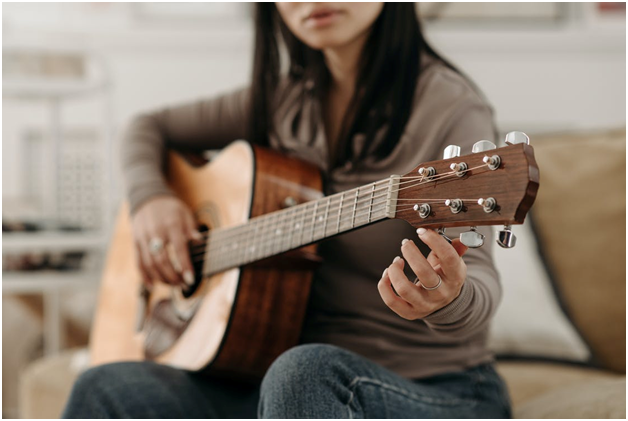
(371, 202)
(289, 225)
(293, 228)
(326, 216)
(342, 198)
(355, 203)
(302, 224)
(279, 232)
(314, 220)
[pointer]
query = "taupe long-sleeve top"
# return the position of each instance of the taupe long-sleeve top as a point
(345, 307)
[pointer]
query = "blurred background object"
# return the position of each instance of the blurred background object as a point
(74, 74)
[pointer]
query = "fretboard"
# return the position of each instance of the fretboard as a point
(277, 232)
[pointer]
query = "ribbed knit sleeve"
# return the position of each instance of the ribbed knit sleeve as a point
(196, 126)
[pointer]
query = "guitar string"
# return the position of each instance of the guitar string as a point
(275, 244)
(305, 226)
(313, 235)
(218, 234)
(246, 228)
(309, 224)
(272, 240)
(381, 188)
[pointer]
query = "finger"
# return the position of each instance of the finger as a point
(419, 264)
(191, 230)
(449, 258)
(181, 253)
(461, 249)
(405, 289)
(144, 273)
(433, 259)
(161, 259)
(147, 263)
(395, 303)
(162, 263)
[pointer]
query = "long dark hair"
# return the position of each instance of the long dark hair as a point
(389, 69)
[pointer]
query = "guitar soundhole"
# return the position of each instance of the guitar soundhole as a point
(196, 255)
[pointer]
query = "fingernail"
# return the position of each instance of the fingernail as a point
(421, 231)
(188, 277)
(197, 235)
(405, 240)
(396, 259)
(384, 273)
(177, 267)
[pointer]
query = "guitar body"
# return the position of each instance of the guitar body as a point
(254, 271)
(237, 322)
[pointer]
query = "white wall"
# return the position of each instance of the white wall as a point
(544, 78)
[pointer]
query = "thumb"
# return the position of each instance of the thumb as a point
(460, 248)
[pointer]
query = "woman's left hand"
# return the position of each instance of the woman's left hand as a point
(445, 261)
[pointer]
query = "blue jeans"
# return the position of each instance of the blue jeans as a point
(308, 381)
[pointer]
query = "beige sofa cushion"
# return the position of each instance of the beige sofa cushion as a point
(45, 385)
(528, 380)
(580, 218)
(594, 400)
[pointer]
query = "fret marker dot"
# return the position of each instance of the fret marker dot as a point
(278, 231)
(297, 226)
(320, 218)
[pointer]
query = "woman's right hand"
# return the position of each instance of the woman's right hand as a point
(169, 221)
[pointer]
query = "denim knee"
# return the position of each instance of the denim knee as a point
(309, 362)
(94, 381)
(303, 377)
(103, 390)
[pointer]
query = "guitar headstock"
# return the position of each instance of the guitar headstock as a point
(491, 186)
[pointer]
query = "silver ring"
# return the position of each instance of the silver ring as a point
(440, 281)
(155, 245)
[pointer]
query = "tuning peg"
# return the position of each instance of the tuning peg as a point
(513, 138)
(506, 238)
(482, 146)
(441, 231)
(451, 151)
(472, 239)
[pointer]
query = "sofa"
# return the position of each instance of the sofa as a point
(579, 225)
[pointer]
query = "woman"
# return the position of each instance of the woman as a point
(365, 97)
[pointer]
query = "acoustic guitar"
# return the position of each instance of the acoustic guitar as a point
(261, 214)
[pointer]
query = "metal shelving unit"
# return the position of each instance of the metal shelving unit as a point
(52, 284)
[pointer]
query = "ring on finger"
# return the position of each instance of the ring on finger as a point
(155, 245)
(418, 282)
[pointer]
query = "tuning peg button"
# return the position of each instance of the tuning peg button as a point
(427, 173)
(472, 239)
(482, 146)
(455, 205)
(451, 151)
(506, 238)
(489, 204)
(424, 210)
(513, 138)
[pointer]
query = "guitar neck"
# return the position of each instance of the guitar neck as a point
(277, 232)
